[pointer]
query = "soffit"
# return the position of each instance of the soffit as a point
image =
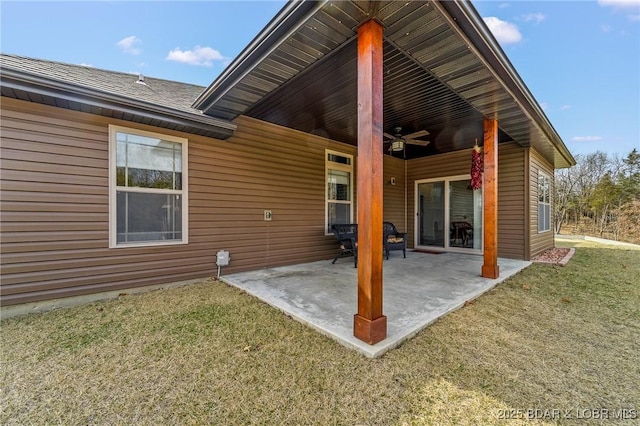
(435, 78)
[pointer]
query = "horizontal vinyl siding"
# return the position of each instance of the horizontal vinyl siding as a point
(264, 167)
(511, 201)
(54, 199)
(55, 213)
(511, 178)
(539, 241)
(394, 203)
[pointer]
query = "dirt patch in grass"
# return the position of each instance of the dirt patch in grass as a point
(548, 339)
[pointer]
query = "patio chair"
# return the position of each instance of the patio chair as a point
(394, 240)
(461, 231)
(347, 236)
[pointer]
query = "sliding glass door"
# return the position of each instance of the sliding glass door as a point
(448, 215)
(431, 214)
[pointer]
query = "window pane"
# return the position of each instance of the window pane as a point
(540, 217)
(148, 162)
(547, 189)
(544, 186)
(144, 178)
(464, 229)
(544, 217)
(335, 158)
(547, 217)
(148, 217)
(431, 214)
(338, 213)
(338, 185)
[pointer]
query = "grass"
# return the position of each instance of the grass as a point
(550, 338)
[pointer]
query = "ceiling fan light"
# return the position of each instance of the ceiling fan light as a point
(397, 145)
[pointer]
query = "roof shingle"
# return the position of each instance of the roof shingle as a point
(166, 93)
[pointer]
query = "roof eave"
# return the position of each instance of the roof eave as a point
(37, 84)
(473, 26)
(294, 14)
(462, 16)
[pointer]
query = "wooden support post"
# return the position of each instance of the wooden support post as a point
(369, 324)
(490, 267)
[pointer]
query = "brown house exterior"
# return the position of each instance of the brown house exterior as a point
(242, 157)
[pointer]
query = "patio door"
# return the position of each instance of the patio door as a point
(448, 215)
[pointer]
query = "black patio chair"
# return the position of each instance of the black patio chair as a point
(347, 236)
(394, 240)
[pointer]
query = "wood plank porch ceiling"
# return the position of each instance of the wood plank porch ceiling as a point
(302, 75)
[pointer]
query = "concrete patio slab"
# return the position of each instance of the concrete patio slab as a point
(416, 291)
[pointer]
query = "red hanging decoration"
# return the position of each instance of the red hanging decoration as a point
(476, 167)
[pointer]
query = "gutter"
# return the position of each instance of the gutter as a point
(466, 18)
(33, 83)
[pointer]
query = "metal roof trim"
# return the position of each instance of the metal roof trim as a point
(291, 17)
(461, 17)
(33, 83)
(466, 18)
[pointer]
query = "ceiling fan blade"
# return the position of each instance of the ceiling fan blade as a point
(417, 142)
(388, 136)
(416, 134)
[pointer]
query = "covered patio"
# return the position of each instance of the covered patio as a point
(418, 290)
(374, 75)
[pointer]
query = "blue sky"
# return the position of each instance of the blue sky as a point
(580, 59)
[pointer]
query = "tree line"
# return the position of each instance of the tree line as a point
(599, 196)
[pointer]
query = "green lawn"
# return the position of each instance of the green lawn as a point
(549, 339)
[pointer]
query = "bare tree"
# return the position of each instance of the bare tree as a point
(564, 196)
(575, 188)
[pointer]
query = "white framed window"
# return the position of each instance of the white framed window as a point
(147, 188)
(339, 188)
(544, 202)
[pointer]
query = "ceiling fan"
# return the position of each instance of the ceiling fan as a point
(398, 142)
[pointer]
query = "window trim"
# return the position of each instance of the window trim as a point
(113, 188)
(341, 167)
(543, 175)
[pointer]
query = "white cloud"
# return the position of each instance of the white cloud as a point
(503, 5)
(624, 5)
(203, 56)
(586, 138)
(620, 4)
(504, 32)
(128, 45)
(565, 107)
(534, 17)
(86, 65)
